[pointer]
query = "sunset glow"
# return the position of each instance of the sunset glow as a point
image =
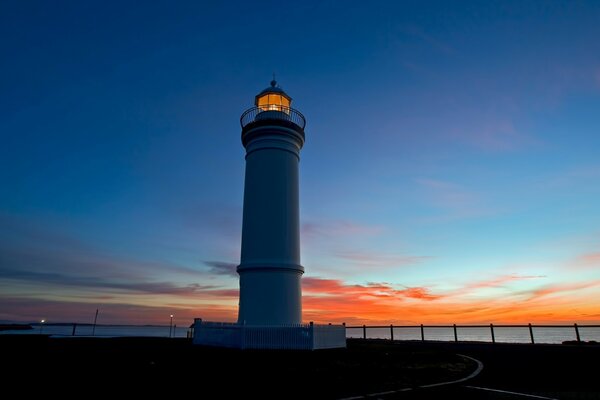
(451, 171)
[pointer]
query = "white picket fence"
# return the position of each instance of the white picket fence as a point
(283, 337)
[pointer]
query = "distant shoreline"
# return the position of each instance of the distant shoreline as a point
(15, 327)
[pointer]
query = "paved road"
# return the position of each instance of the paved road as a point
(520, 371)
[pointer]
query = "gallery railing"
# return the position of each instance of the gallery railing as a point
(272, 112)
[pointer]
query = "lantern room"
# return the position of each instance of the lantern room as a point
(273, 98)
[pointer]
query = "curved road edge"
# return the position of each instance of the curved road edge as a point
(470, 376)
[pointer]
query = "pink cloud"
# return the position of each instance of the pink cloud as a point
(588, 260)
(499, 281)
(339, 228)
(220, 294)
(379, 259)
(456, 201)
(550, 290)
(448, 194)
(344, 240)
(578, 178)
(489, 127)
(496, 135)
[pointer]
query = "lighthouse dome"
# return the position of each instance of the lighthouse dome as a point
(273, 98)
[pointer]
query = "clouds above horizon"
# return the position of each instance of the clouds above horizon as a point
(450, 170)
(222, 268)
(73, 273)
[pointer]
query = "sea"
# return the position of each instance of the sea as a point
(501, 334)
(102, 330)
(478, 334)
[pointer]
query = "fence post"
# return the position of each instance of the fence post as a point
(577, 333)
(364, 331)
(492, 331)
(455, 334)
(243, 345)
(422, 333)
(392, 332)
(531, 334)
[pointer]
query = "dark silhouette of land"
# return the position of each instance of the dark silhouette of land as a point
(15, 327)
(151, 364)
(121, 366)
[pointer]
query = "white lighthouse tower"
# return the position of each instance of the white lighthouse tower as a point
(270, 306)
(270, 270)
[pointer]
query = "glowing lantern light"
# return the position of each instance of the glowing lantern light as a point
(273, 98)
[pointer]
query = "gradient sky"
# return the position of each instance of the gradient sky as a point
(451, 171)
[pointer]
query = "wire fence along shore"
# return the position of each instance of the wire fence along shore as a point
(493, 333)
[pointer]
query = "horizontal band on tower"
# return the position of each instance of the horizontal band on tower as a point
(273, 142)
(255, 131)
(271, 267)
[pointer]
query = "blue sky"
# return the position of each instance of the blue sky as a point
(452, 151)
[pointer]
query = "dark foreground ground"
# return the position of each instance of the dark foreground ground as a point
(519, 371)
(125, 367)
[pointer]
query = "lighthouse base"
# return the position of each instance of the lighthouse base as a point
(284, 337)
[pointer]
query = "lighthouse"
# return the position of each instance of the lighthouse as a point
(270, 304)
(270, 269)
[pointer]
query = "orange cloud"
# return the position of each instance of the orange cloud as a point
(330, 300)
(588, 260)
(419, 293)
(333, 300)
(334, 287)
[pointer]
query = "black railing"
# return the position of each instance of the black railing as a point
(270, 112)
(575, 328)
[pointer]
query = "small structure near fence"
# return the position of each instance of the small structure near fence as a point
(575, 329)
(283, 337)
